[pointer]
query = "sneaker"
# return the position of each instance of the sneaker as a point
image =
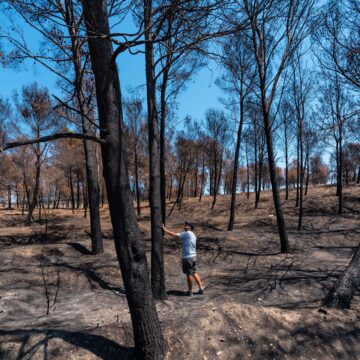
(201, 292)
(189, 293)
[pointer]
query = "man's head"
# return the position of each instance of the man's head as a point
(188, 226)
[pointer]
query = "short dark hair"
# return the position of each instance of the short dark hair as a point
(188, 223)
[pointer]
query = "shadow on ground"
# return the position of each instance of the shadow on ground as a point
(100, 346)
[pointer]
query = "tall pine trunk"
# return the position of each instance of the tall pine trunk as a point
(301, 175)
(284, 243)
(236, 169)
(149, 341)
(286, 162)
(157, 252)
(137, 188)
(91, 162)
(163, 113)
(339, 175)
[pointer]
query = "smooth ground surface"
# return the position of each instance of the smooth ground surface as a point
(59, 302)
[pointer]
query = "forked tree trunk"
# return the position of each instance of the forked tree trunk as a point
(342, 292)
(149, 341)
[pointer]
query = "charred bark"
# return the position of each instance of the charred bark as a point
(157, 252)
(236, 169)
(342, 292)
(149, 341)
(33, 203)
(284, 243)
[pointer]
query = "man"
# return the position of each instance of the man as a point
(188, 239)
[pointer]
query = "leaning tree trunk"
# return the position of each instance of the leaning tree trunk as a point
(342, 292)
(149, 341)
(157, 238)
(284, 242)
(236, 169)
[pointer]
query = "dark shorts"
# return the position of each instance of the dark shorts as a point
(189, 266)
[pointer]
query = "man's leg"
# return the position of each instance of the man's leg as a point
(198, 280)
(189, 281)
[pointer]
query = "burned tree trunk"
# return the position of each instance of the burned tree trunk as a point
(157, 256)
(284, 243)
(130, 249)
(301, 175)
(91, 162)
(137, 188)
(286, 161)
(9, 197)
(71, 185)
(341, 294)
(236, 169)
(202, 178)
(33, 203)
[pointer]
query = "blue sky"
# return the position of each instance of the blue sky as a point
(200, 94)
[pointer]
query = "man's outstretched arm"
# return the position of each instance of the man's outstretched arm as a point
(171, 233)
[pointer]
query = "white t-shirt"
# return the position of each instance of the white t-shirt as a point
(188, 239)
